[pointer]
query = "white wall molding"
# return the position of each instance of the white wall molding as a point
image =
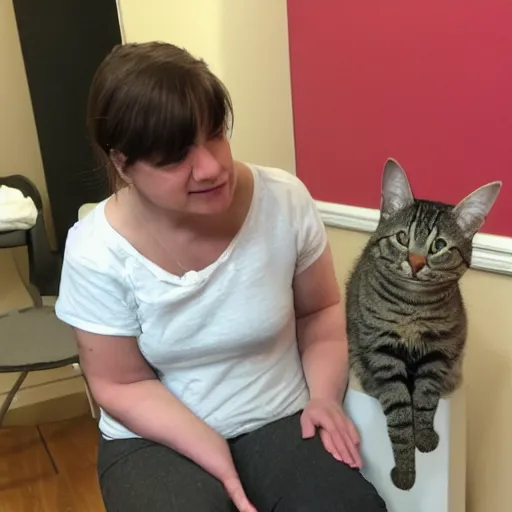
(491, 253)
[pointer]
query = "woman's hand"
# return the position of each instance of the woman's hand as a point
(235, 491)
(222, 467)
(337, 432)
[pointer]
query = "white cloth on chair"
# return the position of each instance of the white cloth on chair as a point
(16, 210)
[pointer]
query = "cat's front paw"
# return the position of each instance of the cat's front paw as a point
(403, 479)
(426, 440)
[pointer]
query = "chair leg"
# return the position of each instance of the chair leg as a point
(10, 396)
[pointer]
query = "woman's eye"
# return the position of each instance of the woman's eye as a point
(401, 236)
(439, 244)
(182, 156)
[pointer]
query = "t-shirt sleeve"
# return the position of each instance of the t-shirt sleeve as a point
(312, 235)
(94, 296)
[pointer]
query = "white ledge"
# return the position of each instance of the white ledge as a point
(491, 253)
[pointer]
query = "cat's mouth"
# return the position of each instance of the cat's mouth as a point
(415, 279)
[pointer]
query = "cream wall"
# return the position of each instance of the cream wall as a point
(245, 42)
(253, 61)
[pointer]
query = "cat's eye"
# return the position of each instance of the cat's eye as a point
(402, 238)
(439, 244)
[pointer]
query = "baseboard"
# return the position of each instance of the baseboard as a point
(38, 378)
(491, 253)
(48, 400)
(59, 408)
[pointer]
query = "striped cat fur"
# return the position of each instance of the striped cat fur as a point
(406, 321)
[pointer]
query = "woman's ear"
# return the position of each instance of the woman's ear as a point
(118, 160)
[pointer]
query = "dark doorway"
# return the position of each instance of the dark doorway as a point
(63, 42)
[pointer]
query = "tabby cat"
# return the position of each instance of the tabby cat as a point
(406, 321)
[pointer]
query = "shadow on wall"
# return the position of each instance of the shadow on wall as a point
(246, 45)
(253, 40)
(488, 377)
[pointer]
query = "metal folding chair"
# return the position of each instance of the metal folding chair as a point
(33, 338)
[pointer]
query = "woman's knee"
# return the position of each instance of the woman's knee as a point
(332, 498)
(369, 503)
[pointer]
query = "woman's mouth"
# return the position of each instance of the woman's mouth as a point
(208, 190)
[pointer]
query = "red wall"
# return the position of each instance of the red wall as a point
(429, 83)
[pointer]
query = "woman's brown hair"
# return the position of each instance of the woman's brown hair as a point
(151, 102)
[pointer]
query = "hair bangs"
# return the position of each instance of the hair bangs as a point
(173, 114)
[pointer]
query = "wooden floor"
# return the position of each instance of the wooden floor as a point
(50, 468)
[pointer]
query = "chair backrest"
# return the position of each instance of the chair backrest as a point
(44, 264)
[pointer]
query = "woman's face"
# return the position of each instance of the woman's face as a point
(202, 183)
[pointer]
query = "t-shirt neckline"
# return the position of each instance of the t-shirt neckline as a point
(192, 277)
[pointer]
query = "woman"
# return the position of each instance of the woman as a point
(206, 309)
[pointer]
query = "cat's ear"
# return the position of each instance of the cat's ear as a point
(472, 211)
(396, 192)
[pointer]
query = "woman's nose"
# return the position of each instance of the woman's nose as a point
(206, 166)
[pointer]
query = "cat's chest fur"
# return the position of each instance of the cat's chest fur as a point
(418, 321)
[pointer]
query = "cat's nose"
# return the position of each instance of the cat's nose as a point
(417, 262)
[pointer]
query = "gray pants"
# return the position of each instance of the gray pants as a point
(279, 470)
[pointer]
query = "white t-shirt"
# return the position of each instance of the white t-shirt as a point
(222, 339)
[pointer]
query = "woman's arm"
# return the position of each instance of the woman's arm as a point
(323, 347)
(125, 386)
(321, 329)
